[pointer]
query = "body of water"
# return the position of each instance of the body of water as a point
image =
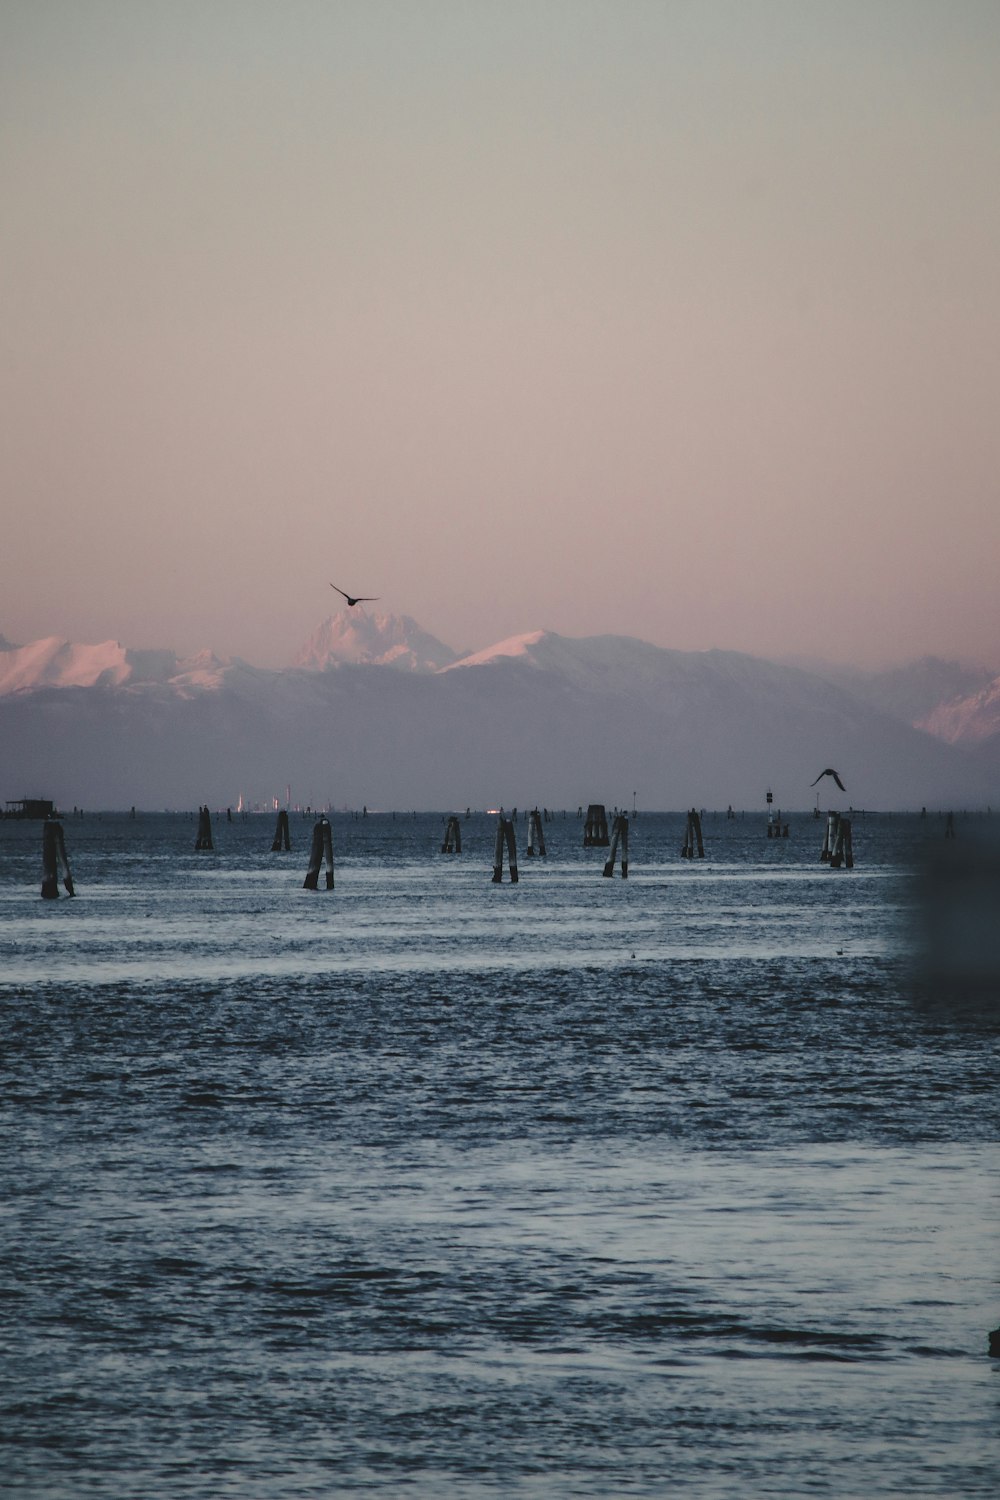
(427, 1186)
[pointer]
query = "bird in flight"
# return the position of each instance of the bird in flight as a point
(830, 772)
(352, 602)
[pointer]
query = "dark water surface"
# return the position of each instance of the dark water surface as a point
(424, 1186)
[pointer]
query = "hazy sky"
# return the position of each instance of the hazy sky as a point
(678, 320)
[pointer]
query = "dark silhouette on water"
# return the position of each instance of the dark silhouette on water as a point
(830, 772)
(322, 848)
(54, 861)
(362, 599)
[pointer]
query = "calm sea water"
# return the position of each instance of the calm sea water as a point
(424, 1186)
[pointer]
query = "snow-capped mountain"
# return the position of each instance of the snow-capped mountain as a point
(910, 692)
(376, 640)
(971, 719)
(55, 663)
(536, 718)
(615, 663)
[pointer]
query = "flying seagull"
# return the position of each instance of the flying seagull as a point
(352, 602)
(830, 772)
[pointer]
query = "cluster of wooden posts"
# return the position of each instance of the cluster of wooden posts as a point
(692, 836)
(595, 836)
(838, 848)
(837, 851)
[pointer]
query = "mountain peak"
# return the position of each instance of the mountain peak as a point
(54, 662)
(354, 637)
(522, 646)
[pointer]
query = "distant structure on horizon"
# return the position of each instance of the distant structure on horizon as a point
(29, 807)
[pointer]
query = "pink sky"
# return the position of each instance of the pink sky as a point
(671, 320)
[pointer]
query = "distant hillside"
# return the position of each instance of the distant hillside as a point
(537, 718)
(909, 692)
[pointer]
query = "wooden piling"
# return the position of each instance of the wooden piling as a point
(619, 833)
(595, 830)
(692, 836)
(322, 848)
(535, 834)
(843, 849)
(452, 837)
(55, 862)
(282, 838)
(498, 852)
(830, 838)
(511, 850)
(505, 839)
(204, 839)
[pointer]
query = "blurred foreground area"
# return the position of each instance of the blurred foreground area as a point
(956, 936)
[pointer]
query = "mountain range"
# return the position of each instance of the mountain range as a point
(375, 710)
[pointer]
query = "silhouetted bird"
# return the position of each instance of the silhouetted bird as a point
(830, 772)
(352, 602)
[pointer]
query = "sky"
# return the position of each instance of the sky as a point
(667, 319)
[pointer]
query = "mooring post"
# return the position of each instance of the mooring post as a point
(830, 839)
(511, 850)
(619, 831)
(505, 837)
(498, 852)
(452, 837)
(595, 830)
(204, 839)
(609, 863)
(322, 848)
(282, 838)
(535, 834)
(843, 850)
(55, 862)
(692, 836)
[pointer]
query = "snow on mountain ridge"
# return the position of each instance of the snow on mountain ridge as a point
(55, 663)
(619, 666)
(911, 692)
(622, 664)
(580, 658)
(967, 720)
(358, 638)
(513, 646)
(52, 662)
